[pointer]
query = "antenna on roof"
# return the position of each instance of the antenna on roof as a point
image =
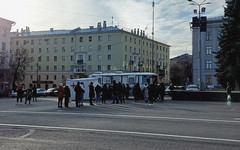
(112, 20)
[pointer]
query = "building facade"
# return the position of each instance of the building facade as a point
(60, 54)
(208, 45)
(5, 37)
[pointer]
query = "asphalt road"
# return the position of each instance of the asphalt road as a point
(180, 125)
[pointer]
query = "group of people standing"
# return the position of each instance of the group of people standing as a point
(29, 94)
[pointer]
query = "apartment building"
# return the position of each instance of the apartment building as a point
(5, 28)
(209, 44)
(60, 54)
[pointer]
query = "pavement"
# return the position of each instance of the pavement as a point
(165, 125)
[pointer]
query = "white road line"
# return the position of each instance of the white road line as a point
(123, 132)
(237, 118)
(127, 116)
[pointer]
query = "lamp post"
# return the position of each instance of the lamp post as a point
(38, 81)
(200, 25)
(153, 4)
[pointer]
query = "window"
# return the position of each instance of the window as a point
(47, 50)
(109, 57)
(125, 47)
(3, 46)
(39, 59)
(99, 39)
(17, 42)
(81, 39)
(63, 49)
(31, 59)
(89, 57)
(72, 49)
(47, 58)
(72, 58)
(109, 47)
(99, 47)
(208, 50)
(72, 40)
(39, 50)
(99, 67)
(63, 40)
(209, 64)
(55, 58)
(47, 41)
(55, 68)
(90, 48)
(99, 57)
(130, 39)
(31, 77)
(125, 57)
(32, 42)
(109, 37)
(55, 49)
(90, 38)
(47, 77)
(125, 38)
(40, 41)
(55, 77)
(108, 67)
(55, 41)
(4, 33)
(31, 67)
(63, 68)
(208, 79)
(63, 58)
(47, 68)
(80, 48)
(208, 36)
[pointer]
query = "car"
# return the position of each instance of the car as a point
(14, 94)
(192, 87)
(41, 92)
(167, 90)
(52, 92)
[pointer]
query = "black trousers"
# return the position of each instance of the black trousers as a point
(66, 101)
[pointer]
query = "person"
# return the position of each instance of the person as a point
(34, 92)
(77, 90)
(60, 95)
(20, 93)
(82, 91)
(98, 91)
(67, 95)
(136, 92)
(104, 93)
(91, 93)
(151, 93)
(162, 91)
(229, 91)
(145, 92)
(127, 89)
(115, 93)
(28, 95)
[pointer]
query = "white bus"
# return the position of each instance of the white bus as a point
(125, 78)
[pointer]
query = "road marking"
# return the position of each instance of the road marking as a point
(237, 118)
(127, 116)
(122, 132)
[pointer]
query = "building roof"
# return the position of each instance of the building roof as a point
(6, 21)
(74, 31)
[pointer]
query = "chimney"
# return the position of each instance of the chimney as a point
(104, 24)
(141, 34)
(134, 30)
(137, 31)
(51, 29)
(99, 26)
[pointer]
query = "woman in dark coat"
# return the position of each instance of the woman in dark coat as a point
(91, 93)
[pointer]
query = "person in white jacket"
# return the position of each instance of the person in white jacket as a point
(145, 92)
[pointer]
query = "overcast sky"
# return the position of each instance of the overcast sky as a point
(172, 17)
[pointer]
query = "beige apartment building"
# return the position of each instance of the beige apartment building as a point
(60, 54)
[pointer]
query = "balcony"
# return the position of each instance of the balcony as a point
(80, 61)
(79, 70)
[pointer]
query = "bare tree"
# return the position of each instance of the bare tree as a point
(18, 63)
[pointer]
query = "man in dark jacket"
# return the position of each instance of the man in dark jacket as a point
(91, 93)
(77, 90)
(67, 95)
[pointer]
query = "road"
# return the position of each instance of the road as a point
(180, 125)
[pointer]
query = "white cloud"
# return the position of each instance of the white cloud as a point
(172, 17)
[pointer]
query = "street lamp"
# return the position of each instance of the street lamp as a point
(39, 60)
(201, 24)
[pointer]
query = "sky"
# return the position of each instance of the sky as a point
(171, 17)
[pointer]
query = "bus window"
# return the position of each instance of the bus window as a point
(99, 81)
(124, 79)
(144, 79)
(117, 78)
(107, 80)
(131, 80)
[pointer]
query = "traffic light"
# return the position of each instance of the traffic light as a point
(203, 25)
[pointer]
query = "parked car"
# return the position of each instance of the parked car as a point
(192, 87)
(41, 92)
(167, 90)
(52, 92)
(14, 94)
